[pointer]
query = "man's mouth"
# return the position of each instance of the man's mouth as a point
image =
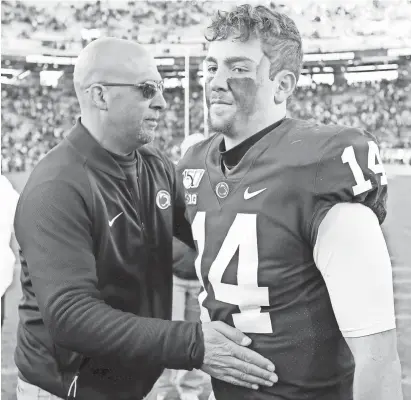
(152, 121)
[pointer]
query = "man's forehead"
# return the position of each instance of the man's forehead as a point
(142, 69)
(121, 69)
(229, 50)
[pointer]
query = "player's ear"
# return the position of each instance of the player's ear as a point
(99, 94)
(285, 85)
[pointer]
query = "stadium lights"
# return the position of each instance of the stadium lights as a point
(353, 77)
(304, 81)
(172, 83)
(10, 75)
(50, 78)
(360, 68)
(365, 68)
(165, 61)
(323, 78)
(405, 51)
(387, 66)
(329, 56)
(11, 71)
(24, 74)
(40, 59)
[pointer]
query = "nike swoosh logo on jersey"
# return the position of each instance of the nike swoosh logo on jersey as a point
(110, 223)
(248, 195)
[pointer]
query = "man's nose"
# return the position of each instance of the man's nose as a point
(158, 102)
(219, 80)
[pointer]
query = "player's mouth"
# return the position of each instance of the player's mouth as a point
(220, 108)
(220, 102)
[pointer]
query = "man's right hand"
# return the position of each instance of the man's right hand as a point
(227, 358)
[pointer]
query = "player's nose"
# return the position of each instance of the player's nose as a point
(219, 81)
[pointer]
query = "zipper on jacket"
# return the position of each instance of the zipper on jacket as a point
(72, 392)
(143, 227)
(139, 200)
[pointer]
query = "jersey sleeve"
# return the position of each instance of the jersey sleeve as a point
(349, 170)
(182, 227)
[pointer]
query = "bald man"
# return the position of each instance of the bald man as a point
(95, 224)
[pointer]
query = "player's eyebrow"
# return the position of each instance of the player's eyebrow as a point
(231, 60)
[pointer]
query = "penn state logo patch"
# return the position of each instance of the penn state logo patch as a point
(163, 199)
(222, 190)
(192, 178)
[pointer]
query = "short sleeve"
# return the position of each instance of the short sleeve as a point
(350, 170)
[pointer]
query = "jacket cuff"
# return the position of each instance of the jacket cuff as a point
(198, 349)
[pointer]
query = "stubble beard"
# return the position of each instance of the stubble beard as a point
(226, 128)
(145, 136)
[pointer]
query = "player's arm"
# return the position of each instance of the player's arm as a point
(352, 255)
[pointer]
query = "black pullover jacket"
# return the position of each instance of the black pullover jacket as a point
(97, 273)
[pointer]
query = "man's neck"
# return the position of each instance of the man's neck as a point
(103, 139)
(245, 131)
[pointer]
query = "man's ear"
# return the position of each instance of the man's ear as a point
(285, 85)
(99, 96)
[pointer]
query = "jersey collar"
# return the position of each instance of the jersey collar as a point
(84, 143)
(234, 177)
(276, 132)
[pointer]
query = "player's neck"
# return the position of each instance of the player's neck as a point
(244, 131)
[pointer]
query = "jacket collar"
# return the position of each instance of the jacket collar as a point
(96, 156)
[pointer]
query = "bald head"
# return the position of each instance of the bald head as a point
(120, 115)
(110, 60)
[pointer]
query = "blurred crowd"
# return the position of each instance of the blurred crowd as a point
(33, 121)
(179, 21)
(35, 118)
(382, 108)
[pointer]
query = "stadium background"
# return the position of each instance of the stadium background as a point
(357, 71)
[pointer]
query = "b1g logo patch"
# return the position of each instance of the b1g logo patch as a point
(163, 199)
(191, 199)
(192, 178)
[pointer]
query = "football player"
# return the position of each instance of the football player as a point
(286, 217)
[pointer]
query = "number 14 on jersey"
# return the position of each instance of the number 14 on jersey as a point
(247, 295)
(374, 164)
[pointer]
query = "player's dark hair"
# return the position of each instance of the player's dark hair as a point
(280, 39)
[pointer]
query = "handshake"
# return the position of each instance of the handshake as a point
(227, 358)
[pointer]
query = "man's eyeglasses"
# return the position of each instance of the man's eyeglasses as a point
(148, 88)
